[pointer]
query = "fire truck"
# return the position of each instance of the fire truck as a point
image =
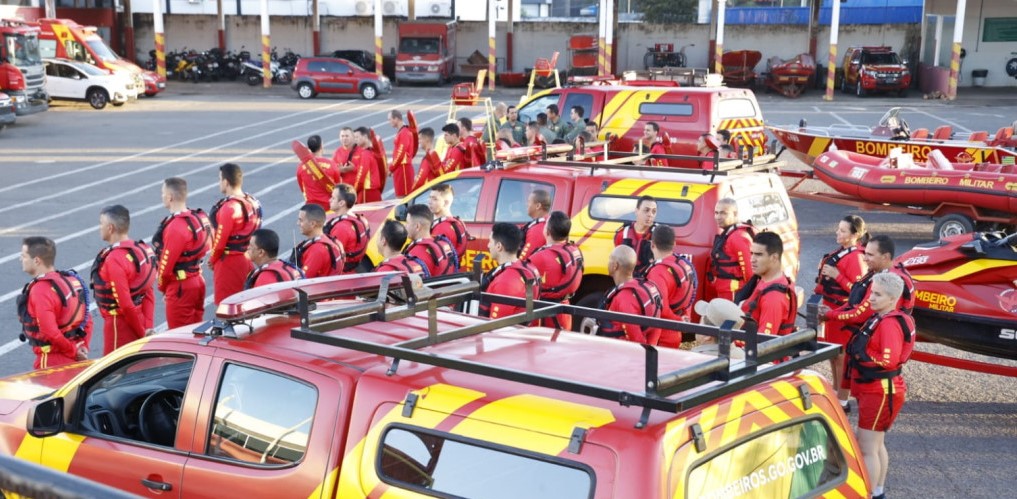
(22, 73)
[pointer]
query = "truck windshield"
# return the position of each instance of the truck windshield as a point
(22, 50)
(418, 46)
(101, 50)
(880, 58)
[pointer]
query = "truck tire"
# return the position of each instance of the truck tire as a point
(859, 90)
(953, 224)
(369, 91)
(97, 98)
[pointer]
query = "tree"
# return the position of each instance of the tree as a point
(669, 11)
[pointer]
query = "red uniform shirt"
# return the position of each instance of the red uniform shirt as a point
(46, 314)
(427, 251)
(373, 178)
(403, 263)
(475, 151)
(179, 236)
(454, 230)
(509, 279)
(456, 158)
(361, 160)
(353, 233)
(769, 309)
(316, 180)
(889, 351)
(271, 273)
(657, 149)
(235, 220)
(561, 271)
(628, 236)
(430, 169)
(123, 287)
(728, 268)
(857, 314)
(401, 167)
(533, 237)
(677, 288)
(319, 257)
(637, 297)
(848, 262)
(341, 158)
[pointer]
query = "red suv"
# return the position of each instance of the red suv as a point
(868, 69)
(331, 75)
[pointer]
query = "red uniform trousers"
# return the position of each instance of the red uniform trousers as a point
(117, 332)
(45, 359)
(372, 195)
(185, 301)
(722, 288)
(229, 274)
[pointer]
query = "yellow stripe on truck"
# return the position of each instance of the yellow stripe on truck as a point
(60, 450)
(434, 405)
(539, 424)
(621, 111)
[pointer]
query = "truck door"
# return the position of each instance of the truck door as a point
(267, 428)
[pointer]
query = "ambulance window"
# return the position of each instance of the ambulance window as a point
(736, 108)
(513, 196)
(765, 210)
(448, 465)
(799, 460)
(530, 111)
(251, 425)
(623, 209)
(580, 99)
(666, 109)
(47, 48)
(465, 197)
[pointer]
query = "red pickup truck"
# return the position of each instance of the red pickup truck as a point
(366, 386)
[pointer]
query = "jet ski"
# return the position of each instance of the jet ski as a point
(966, 292)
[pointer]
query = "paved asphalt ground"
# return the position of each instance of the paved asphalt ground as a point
(956, 437)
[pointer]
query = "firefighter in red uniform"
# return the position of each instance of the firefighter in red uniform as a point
(180, 242)
(360, 160)
(560, 264)
(438, 256)
(317, 176)
(630, 295)
(445, 225)
(511, 277)
(651, 143)
(877, 355)
(343, 157)
(401, 166)
(319, 255)
(234, 218)
(268, 268)
(533, 135)
(373, 172)
(839, 270)
(769, 297)
(538, 205)
(123, 275)
(350, 230)
(476, 155)
(430, 164)
(504, 140)
(457, 155)
(878, 257)
(390, 243)
(636, 235)
(728, 268)
(675, 278)
(52, 308)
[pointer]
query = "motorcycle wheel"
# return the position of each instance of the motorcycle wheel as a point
(285, 78)
(253, 79)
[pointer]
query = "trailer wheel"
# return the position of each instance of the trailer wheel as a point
(953, 224)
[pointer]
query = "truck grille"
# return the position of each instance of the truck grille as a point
(34, 79)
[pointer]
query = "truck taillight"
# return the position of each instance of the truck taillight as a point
(13, 77)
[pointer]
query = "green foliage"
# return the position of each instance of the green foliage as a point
(668, 11)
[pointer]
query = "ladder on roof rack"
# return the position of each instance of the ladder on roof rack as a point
(670, 391)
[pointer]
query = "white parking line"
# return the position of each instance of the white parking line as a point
(956, 126)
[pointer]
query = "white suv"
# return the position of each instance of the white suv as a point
(73, 80)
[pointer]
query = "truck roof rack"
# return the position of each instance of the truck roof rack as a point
(666, 391)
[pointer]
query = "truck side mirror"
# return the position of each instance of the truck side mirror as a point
(46, 418)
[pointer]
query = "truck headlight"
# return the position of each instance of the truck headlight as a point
(432, 68)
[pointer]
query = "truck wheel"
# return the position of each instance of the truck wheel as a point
(843, 85)
(859, 90)
(97, 98)
(953, 224)
(305, 90)
(368, 91)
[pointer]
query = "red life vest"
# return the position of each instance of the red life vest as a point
(141, 255)
(827, 287)
(787, 324)
(459, 238)
(251, 209)
(283, 270)
(527, 272)
(682, 270)
(73, 317)
(726, 266)
(404, 263)
(626, 235)
(857, 346)
(570, 259)
(646, 295)
(437, 254)
(335, 252)
(201, 239)
(362, 235)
